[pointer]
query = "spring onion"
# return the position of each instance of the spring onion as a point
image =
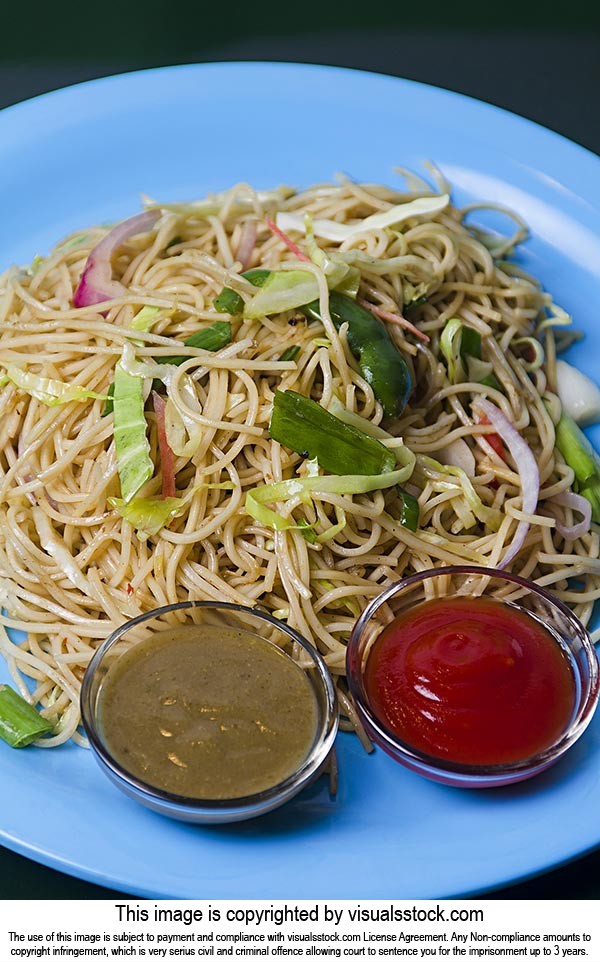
(461, 348)
(20, 723)
(230, 302)
(581, 457)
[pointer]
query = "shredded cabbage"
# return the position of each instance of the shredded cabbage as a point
(149, 515)
(282, 291)
(334, 231)
(183, 432)
(435, 471)
(46, 390)
(214, 203)
(258, 498)
(134, 463)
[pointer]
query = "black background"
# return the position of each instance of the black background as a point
(536, 59)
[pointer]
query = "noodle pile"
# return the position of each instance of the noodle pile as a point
(72, 569)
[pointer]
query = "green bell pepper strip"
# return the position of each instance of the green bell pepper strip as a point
(380, 362)
(409, 509)
(304, 426)
(230, 302)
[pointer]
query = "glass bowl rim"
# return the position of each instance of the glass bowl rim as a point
(401, 749)
(325, 731)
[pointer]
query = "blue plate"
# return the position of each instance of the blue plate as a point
(83, 155)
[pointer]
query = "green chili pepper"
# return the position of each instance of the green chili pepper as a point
(304, 426)
(409, 509)
(380, 362)
(230, 302)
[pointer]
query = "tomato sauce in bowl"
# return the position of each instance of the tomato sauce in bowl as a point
(472, 677)
(471, 680)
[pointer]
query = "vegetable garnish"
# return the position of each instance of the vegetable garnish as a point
(494, 440)
(149, 515)
(282, 291)
(380, 362)
(286, 240)
(97, 284)
(211, 338)
(290, 353)
(246, 244)
(334, 231)
(133, 450)
(230, 302)
(20, 723)
(258, 498)
(437, 473)
(526, 466)
(47, 390)
(581, 457)
(145, 319)
(409, 509)
(244, 201)
(304, 426)
(461, 348)
(167, 458)
(392, 318)
(578, 503)
(579, 395)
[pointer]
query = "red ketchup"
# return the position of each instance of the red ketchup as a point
(470, 680)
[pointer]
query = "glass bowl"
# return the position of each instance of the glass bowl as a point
(263, 627)
(472, 582)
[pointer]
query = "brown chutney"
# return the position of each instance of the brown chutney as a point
(207, 712)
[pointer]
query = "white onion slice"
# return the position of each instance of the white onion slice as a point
(526, 466)
(580, 504)
(97, 284)
(458, 454)
(579, 395)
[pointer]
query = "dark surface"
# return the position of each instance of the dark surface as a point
(552, 78)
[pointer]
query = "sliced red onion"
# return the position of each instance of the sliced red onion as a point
(526, 466)
(286, 240)
(97, 284)
(167, 458)
(394, 319)
(245, 248)
(580, 504)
